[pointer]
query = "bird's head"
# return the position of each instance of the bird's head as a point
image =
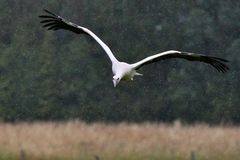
(116, 80)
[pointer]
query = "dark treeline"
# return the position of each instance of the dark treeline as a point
(47, 75)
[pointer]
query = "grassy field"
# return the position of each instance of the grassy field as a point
(75, 140)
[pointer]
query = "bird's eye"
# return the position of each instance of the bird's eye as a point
(118, 79)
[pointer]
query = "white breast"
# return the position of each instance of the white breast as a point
(123, 69)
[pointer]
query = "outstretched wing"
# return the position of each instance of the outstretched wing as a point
(216, 62)
(54, 22)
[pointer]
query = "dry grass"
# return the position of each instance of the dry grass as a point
(70, 139)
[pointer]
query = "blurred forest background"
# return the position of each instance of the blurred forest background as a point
(47, 75)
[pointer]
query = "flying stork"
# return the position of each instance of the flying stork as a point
(123, 70)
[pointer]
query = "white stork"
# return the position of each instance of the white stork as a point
(123, 70)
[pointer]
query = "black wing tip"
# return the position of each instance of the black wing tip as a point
(220, 59)
(49, 12)
(47, 17)
(46, 10)
(223, 70)
(52, 21)
(218, 63)
(49, 20)
(221, 67)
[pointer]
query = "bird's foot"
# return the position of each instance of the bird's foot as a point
(138, 74)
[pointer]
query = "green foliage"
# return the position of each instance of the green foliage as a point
(60, 75)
